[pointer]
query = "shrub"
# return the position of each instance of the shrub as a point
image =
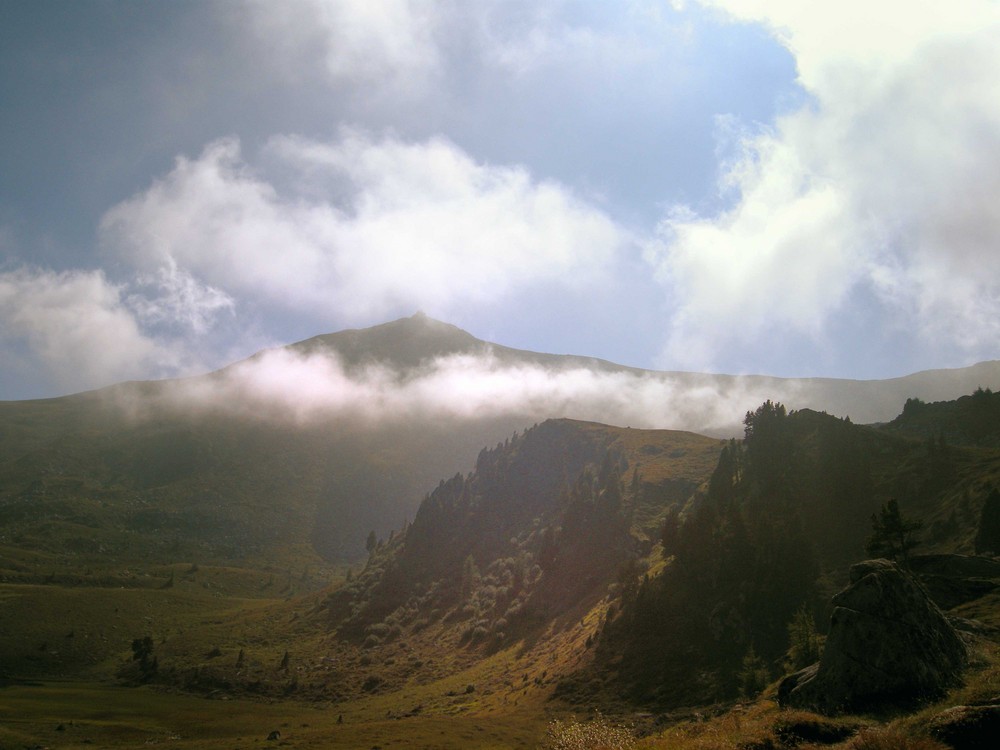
(597, 734)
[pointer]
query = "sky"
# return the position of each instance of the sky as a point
(736, 186)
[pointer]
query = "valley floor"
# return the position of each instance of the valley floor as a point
(70, 714)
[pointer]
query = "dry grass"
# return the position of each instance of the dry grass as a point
(887, 738)
(77, 715)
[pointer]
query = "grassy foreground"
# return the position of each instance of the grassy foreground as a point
(86, 715)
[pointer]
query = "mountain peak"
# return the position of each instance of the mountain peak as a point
(403, 343)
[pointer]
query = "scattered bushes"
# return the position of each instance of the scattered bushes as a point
(597, 734)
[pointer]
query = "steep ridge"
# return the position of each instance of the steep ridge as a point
(547, 516)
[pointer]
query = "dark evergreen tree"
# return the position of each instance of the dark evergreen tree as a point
(803, 640)
(722, 484)
(845, 492)
(769, 448)
(670, 531)
(741, 566)
(893, 535)
(142, 652)
(988, 536)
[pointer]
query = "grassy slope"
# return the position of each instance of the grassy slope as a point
(79, 474)
(71, 617)
(85, 607)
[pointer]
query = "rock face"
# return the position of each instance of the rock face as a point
(888, 644)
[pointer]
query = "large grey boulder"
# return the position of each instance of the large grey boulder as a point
(888, 644)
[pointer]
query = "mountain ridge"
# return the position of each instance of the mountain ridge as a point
(344, 473)
(409, 345)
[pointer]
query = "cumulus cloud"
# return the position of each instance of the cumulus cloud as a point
(77, 329)
(361, 227)
(76, 325)
(883, 183)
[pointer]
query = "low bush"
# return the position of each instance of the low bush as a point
(597, 734)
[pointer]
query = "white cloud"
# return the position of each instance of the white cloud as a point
(171, 295)
(392, 49)
(75, 326)
(76, 330)
(364, 227)
(884, 181)
(387, 43)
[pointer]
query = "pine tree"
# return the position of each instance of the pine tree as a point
(803, 640)
(470, 578)
(893, 535)
(988, 536)
(753, 675)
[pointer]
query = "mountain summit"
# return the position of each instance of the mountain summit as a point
(418, 340)
(402, 344)
(704, 402)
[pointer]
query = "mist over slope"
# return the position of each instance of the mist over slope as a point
(418, 367)
(317, 443)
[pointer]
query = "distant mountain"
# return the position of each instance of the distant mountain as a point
(301, 451)
(409, 343)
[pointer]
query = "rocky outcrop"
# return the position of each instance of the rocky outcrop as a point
(888, 644)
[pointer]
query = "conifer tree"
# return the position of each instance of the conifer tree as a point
(893, 535)
(803, 640)
(988, 536)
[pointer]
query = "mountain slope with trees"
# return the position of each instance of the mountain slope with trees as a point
(159, 466)
(576, 566)
(572, 566)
